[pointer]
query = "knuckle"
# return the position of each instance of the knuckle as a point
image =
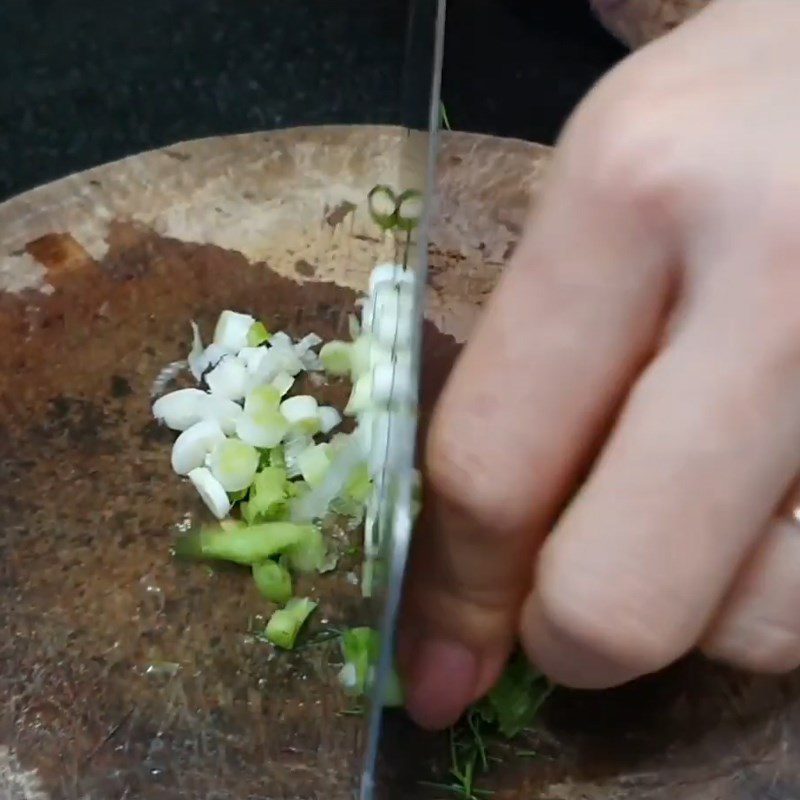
(626, 621)
(461, 475)
(629, 159)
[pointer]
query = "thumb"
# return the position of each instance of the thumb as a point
(573, 318)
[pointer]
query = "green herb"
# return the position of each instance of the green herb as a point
(515, 700)
(247, 544)
(273, 581)
(382, 203)
(258, 334)
(445, 120)
(268, 496)
(286, 623)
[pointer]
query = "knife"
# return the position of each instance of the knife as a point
(390, 516)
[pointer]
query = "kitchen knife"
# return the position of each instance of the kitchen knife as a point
(390, 514)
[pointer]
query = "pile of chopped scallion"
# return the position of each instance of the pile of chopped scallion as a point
(270, 465)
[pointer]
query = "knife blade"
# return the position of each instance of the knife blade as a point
(390, 516)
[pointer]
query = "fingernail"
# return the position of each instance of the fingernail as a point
(441, 682)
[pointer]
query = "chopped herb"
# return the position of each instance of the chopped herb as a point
(286, 622)
(273, 581)
(258, 334)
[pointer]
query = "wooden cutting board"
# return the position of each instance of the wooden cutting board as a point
(126, 675)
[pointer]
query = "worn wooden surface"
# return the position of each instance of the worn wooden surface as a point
(99, 275)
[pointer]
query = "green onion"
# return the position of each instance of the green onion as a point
(360, 649)
(264, 398)
(246, 545)
(277, 457)
(258, 334)
(335, 357)
(409, 209)
(273, 581)
(268, 495)
(233, 464)
(285, 623)
(314, 464)
(382, 204)
(310, 553)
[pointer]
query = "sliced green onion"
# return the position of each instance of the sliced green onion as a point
(409, 209)
(277, 457)
(273, 581)
(233, 464)
(310, 553)
(382, 204)
(314, 464)
(335, 357)
(264, 429)
(360, 485)
(194, 444)
(195, 359)
(264, 398)
(301, 412)
(360, 397)
(229, 379)
(360, 353)
(360, 648)
(286, 623)
(258, 334)
(246, 545)
(268, 495)
(329, 418)
(181, 409)
(232, 329)
(211, 491)
(283, 381)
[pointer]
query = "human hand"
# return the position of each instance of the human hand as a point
(645, 337)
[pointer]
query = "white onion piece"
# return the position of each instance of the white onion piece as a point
(292, 447)
(269, 366)
(361, 356)
(211, 490)
(195, 359)
(252, 357)
(262, 399)
(232, 329)
(348, 677)
(314, 504)
(281, 340)
(314, 464)
(223, 410)
(194, 444)
(290, 362)
(282, 344)
(329, 418)
(392, 383)
(307, 343)
(180, 409)
(233, 464)
(265, 429)
(283, 381)
(229, 378)
(301, 412)
(389, 273)
(360, 397)
(392, 322)
(311, 362)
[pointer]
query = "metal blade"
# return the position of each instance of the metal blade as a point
(391, 517)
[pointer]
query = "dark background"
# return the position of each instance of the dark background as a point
(87, 81)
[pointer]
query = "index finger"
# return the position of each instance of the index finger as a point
(573, 318)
